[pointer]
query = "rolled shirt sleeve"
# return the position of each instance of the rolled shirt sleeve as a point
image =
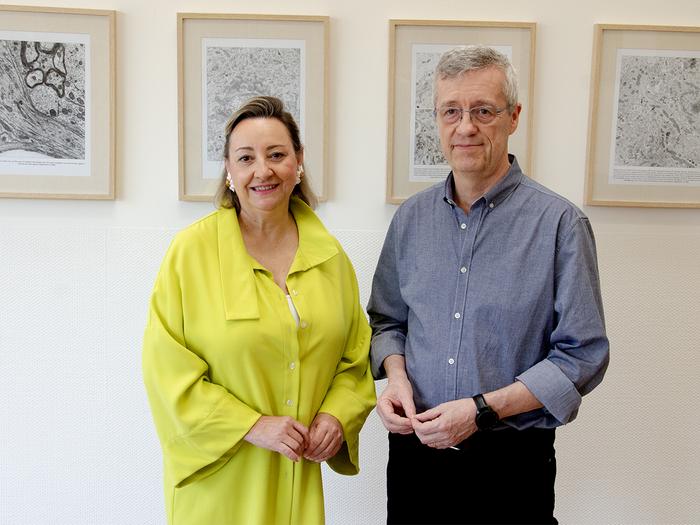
(579, 352)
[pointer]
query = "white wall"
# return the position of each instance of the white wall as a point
(76, 440)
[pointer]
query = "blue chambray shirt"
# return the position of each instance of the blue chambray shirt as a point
(509, 291)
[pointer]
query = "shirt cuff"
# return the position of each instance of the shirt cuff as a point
(384, 345)
(553, 389)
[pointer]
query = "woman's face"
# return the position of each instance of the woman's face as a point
(263, 164)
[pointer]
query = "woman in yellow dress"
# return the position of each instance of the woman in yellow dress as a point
(255, 355)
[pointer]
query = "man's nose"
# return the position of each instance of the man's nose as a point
(465, 124)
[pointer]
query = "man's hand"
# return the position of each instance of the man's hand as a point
(326, 437)
(281, 434)
(446, 424)
(395, 406)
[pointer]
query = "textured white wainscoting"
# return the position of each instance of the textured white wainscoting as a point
(633, 454)
(77, 445)
(55, 367)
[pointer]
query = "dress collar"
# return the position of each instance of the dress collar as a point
(237, 267)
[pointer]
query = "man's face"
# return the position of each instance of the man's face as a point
(471, 147)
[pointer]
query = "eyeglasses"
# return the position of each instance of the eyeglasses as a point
(452, 114)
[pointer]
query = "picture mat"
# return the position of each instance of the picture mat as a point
(30, 163)
(519, 38)
(100, 183)
(650, 105)
(598, 190)
(193, 185)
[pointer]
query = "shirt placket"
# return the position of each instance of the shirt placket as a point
(467, 226)
(289, 400)
(297, 337)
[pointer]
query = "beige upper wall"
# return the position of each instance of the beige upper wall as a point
(147, 101)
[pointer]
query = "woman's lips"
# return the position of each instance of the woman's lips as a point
(264, 188)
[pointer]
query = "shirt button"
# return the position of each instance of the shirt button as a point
(294, 292)
(457, 316)
(491, 205)
(289, 402)
(451, 361)
(463, 269)
(292, 366)
(463, 226)
(303, 324)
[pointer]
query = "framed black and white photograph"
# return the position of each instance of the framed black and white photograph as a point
(224, 60)
(57, 103)
(644, 132)
(415, 160)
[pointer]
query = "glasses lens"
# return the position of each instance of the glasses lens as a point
(483, 114)
(450, 115)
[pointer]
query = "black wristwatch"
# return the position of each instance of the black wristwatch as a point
(486, 417)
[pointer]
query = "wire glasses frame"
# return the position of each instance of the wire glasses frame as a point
(452, 114)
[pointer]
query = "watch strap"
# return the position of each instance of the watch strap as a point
(480, 402)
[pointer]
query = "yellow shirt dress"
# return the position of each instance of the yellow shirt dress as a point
(221, 348)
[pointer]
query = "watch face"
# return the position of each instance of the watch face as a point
(486, 419)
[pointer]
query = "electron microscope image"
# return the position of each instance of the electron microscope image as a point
(426, 145)
(658, 112)
(42, 99)
(235, 74)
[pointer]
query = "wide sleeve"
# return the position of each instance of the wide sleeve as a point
(351, 396)
(200, 424)
(388, 312)
(579, 351)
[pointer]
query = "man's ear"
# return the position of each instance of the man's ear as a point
(515, 118)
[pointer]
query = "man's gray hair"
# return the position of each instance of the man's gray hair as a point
(460, 60)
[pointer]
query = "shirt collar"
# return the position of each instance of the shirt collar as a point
(237, 267)
(495, 195)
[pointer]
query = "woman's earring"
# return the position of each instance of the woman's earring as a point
(229, 182)
(300, 174)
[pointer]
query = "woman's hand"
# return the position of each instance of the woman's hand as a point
(326, 437)
(281, 434)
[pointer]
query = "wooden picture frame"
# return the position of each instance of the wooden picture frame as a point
(57, 116)
(414, 158)
(279, 55)
(644, 125)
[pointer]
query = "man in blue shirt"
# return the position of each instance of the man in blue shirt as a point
(487, 318)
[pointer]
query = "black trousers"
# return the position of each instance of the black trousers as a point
(502, 476)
